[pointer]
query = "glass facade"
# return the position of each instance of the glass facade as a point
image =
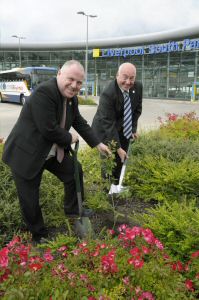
(165, 75)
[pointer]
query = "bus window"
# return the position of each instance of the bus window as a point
(17, 84)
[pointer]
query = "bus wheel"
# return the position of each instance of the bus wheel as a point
(22, 99)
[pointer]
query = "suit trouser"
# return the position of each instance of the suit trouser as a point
(118, 164)
(28, 193)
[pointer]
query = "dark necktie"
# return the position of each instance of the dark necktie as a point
(60, 150)
(127, 122)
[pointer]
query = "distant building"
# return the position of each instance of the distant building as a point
(167, 62)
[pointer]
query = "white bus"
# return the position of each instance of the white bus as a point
(18, 83)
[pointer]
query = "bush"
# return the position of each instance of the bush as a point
(83, 101)
(129, 264)
(164, 164)
(156, 144)
(176, 225)
(132, 265)
(184, 127)
(154, 177)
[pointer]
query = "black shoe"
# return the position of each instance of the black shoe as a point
(37, 238)
(87, 212)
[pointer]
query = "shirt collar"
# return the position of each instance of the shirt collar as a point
(123, 91)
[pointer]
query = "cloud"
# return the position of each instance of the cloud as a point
(58, 21)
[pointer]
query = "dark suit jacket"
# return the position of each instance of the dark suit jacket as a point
(37, 129)
(108, 120)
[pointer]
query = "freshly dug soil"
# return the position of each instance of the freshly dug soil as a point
(125, 209)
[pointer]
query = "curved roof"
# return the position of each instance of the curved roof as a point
(126, 41)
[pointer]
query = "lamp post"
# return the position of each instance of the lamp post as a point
(19, 39)
(86, 54)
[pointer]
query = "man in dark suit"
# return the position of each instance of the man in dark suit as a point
(41, 140)
(109, 121)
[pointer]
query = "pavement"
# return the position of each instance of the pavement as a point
(152, 109)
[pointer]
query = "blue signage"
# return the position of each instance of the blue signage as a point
(171, 46)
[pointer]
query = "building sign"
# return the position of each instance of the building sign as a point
(172, 46)
(96, 52)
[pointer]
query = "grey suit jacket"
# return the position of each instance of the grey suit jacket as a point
(37, 129)
(108, 120)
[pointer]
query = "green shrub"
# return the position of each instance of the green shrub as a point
(128, 265)
(152, 177)
(176, 225)
(156, 144)
(88, 101)
(164, 163)
(180, 126)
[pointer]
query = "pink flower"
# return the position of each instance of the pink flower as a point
(84, 277)
(71, 275)
(137, 262)
(146, 295)
(126, 280)
(60, 270)
(96, 253)
(148, 236)
(103, 246)
(76, 251)
(82, 245)
(111, 231)
(178, 266)
(5, 275)
(35, 267)
(172, 117)
(85, 250)
(108, 263)
(122, 227)
(158, 244)
(4, 257)
(135, 251)
(48, 256)
(195, 254)
(15, 240)
(91, 288)
(145, 250)
(65, 254)
(189, 285)
(63, 248)
(137, 290)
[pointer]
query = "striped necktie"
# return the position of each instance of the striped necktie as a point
(60, 150)
(127, 123)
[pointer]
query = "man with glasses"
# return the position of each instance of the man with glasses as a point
(120, 106)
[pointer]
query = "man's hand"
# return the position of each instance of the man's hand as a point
(103, 149)
(75, 138)
(122, 154)
(134, 136)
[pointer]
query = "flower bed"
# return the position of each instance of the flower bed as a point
(129, 264)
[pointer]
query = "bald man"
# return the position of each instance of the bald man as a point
(111, 118)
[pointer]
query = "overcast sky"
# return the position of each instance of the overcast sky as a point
(58, 21)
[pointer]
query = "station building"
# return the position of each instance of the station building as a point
(167, 62)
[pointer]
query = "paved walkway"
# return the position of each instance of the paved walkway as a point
(152, 109)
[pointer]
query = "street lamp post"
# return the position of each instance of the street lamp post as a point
(86, 54)
(19, 39)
